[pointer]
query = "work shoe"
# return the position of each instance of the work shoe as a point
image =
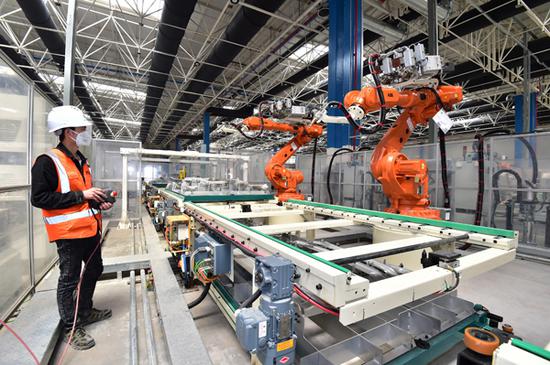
(95, 315)
(81, 340)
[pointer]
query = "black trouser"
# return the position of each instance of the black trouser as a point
(73, 254)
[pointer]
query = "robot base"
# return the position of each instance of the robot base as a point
(283, 197)
(416, 212)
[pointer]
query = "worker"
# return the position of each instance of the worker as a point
(62, 188)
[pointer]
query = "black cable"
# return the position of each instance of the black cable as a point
(338, 105)
(444, 177)
(530, 149)
(480, 180)
(201, 297)
(251, 299)
(534, 162)
(481, 167)
(496, 193)
(438, 100)
(260, 131)
(382, 112)
(313, 169)
(336, 153)
(481, 173)
(379, 91)
(457, 280)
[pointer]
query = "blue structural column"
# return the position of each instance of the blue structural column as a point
(206, 132)
(520, 126)
(345, 62)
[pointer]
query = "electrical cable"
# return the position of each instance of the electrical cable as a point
(77, 300)
(444, 177)
(307, 298)
(457, 280)
(313, 168)
(481, 169)
(438, 100)
(380, 92)
(338, 105)
(251, 299)
(21, 341)
(340, 151)
(496, 193)
(260, 131)
(201, 297)
(480, 181)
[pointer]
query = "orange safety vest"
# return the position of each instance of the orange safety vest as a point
(76, 221)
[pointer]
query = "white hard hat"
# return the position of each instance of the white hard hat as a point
(66, 116)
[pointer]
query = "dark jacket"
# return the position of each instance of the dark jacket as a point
(45, 181)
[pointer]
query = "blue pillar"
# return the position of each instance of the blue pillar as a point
(518, 103)
(345, 65)
(206, 132)
(178, 144)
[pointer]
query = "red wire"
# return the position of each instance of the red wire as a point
(314, 303)
(78, 300)
(21, 341)
(75, 311)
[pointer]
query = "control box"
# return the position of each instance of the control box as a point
(220, 254)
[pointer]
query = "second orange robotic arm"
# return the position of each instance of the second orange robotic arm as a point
(405, 182)
(285, 181)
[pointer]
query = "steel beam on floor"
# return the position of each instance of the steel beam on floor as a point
(183, 340)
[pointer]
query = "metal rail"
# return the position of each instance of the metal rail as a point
(133, 320)
(151, 352)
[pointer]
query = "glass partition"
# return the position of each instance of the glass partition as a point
(14, 116)
(26, 253)
(106, 164)
(42, 141)
(516, 191)
(15, 278)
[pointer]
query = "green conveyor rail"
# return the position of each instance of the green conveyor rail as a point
(433, 222)
(326, 262)
(531, 348)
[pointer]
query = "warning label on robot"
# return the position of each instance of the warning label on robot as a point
(443, 121)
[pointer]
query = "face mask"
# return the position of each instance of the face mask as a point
(83, 138)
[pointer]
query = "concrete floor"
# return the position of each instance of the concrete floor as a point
(518, 291)
(112, 336)
(216, 333)
(121, 242)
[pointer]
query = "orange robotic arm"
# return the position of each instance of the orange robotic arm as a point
(285, 181)
(405, 182)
